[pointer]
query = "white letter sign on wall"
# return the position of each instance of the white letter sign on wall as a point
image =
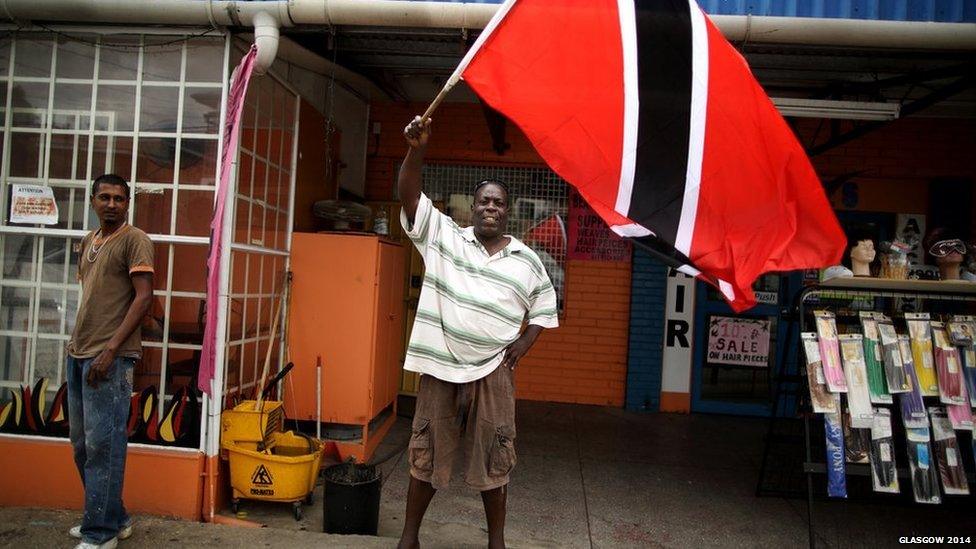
(679, 327)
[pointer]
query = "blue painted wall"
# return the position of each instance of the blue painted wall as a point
(955, 11)
(647, 299)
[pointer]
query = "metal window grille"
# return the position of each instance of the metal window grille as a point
(146, 106)
(537, 207)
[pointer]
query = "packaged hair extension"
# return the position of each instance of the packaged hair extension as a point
(858, 394)
(961, 332)
(945, 447)
(884, 472)
(877, 385)
(925, 478)
(893, 364)
(960, 415)
(857, 442)
(836, 467)
(820, 398)
(920, 330)
(913, 414)
(949, 367)
(830, 352)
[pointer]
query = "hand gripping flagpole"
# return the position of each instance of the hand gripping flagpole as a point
(482, 38)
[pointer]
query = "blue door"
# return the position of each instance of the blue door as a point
(721, 384)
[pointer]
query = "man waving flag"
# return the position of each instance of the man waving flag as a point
(656, 119)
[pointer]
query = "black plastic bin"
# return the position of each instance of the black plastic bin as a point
(352, 499)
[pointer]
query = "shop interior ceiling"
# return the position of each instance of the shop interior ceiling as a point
(411, 65)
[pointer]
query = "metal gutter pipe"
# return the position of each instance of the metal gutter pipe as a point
(398, 13)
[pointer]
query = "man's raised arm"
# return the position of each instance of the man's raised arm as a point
(410, 181)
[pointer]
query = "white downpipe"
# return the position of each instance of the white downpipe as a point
(266, 37)
(398, 13)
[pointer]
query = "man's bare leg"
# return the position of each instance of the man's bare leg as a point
(494, 501)
(419, 495)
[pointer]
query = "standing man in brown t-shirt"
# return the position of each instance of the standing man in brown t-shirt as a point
(116, 273)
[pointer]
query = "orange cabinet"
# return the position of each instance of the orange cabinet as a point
(347, 308)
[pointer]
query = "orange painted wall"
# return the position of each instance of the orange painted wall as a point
(42, 473)
(585, 359)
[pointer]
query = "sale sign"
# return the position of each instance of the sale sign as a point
(738, 341)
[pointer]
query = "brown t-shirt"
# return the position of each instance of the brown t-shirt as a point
(104, 269)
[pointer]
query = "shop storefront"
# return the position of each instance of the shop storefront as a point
(146, 106)
(149, 104)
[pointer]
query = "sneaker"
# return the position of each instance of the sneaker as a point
(124, 533)
(110, 544)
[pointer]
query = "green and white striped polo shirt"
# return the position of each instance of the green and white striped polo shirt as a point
(472, 305)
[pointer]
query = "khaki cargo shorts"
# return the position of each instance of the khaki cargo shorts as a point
(475, 420)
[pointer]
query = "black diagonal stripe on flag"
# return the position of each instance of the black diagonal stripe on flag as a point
(664, 79)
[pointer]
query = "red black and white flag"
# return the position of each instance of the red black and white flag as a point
(647, 110)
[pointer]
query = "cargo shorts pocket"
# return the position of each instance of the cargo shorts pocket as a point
(502, 456)
(421, 449)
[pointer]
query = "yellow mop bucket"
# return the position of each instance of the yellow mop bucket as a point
(245, 424)
(285, 471)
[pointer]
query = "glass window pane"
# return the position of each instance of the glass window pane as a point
(147, 370)
(190, 280)
(248, 123)
(201, 110)
(194, 210)
(112, 155)
(118, 58)
(72, 105)
(49, 311)
(161, 59)
(33, 57)
(198, 161)
(25, 153)
(260, 181)
(152, 210)
(159, 109)
(29, 102)
(63, 153)
(181, 372)
(205, 59)
(116, 107)
(55, 266)
(4, 55)
(18, 256)
(160, 265)
(245, 168)
(49, 362)
(157, 157)
(242, 221)
(15, 308)
(253, 277)
(186, 319)
(76, 59)
(13, 358)
(237, 269)
(257, 225)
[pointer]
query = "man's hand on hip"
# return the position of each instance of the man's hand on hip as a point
(101, 367)
(515, 352)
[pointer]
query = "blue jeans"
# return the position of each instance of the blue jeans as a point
(99, 438)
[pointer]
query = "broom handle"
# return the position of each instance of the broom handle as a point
(267, 356)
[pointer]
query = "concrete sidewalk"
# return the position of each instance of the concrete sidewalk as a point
(587, 477)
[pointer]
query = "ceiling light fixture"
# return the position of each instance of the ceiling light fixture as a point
(847, 110)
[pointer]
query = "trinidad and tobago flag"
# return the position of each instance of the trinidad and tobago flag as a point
(656, 119)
